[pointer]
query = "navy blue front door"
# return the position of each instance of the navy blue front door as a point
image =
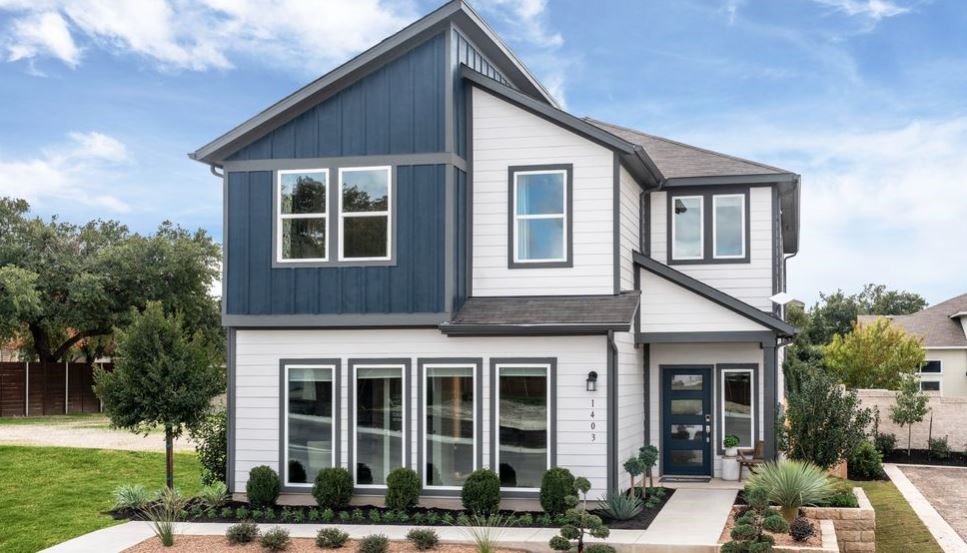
(687, 421)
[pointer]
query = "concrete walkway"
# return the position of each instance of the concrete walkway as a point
(690, 522)
(941, 530)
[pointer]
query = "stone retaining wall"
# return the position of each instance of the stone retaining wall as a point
(855, 528)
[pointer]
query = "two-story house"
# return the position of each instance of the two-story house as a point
(428, 264)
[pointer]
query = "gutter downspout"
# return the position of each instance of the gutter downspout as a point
(612, 414)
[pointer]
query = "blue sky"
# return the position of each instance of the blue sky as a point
(867, 99)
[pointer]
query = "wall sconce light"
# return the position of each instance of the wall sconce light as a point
(592, 381)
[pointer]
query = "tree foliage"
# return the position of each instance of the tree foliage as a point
(874, 355)
(836, 313)
(64, 285)
(910, 406)
(162, 377)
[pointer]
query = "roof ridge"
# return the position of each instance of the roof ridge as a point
(594, 121)
(944, 303)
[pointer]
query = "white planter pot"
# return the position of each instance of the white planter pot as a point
(731, 451)
(730, 468)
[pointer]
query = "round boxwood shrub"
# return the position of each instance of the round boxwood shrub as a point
(556, 485)
(403, 489)
(243, 532)
(333, 488)
(263, 486)
(866, 463)
(481, 492)
(376, 543)
(276, 539)
(331, 538)
(423, 538)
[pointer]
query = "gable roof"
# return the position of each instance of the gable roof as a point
(715, 295)
(938, 325)
(454, 12)
(543, 315)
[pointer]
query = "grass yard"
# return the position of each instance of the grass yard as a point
(51, 494)
(898, 529)
(89, 420)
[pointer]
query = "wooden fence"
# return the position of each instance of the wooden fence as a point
(35, 389)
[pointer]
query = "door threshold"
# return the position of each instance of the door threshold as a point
(697, 479)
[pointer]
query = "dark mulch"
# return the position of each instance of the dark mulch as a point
(644, 518)
(923, 457)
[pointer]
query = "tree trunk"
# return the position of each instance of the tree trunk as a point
(909, 439)
(169, 458)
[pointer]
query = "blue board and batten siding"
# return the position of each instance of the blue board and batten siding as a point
(465, 52)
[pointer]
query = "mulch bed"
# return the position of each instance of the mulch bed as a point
(923, 457)
(781, 539)
(218, 544)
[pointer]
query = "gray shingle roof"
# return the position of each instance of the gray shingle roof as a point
(558, 314)
(677, 160)
(933, 323)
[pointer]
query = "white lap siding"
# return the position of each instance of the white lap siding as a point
(631, 400)
(630, 227)
(257, 435)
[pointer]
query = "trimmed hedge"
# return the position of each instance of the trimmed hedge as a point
(556, 485)
(481, 492)
(263, 486)
(403, 489)
(333, 488)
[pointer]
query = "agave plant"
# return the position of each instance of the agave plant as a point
(621, 506)
(792, 484)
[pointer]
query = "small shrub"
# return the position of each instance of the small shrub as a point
(432, 518)
(358, 516)
(210, 442)
(463, 519)
(578, 524)
(403, 489)
(390, 517)
(276, 539)
(730, 441)
(447, 518)
(485, 532)
(556, 485)
(331, 538)
(243, 532)
(227, 512)
(748, 535)
(885, 443)
(376, 543)
(621, 506)
(314, 515)
(866, 463)
(939, 448)
(333, 488)
(242, 513)
(525, 520)
(598, 548)
(131, 496)
(374, 516)
(162, 520)
(213, 495)
(343, 516)
(263, 486)
(481, 492)
(842, 496)
(423, 538)
(298, 516)
(327, 516)
(801, 529)
(419, 518)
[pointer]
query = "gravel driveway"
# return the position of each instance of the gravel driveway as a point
(92, 432)
(946, 489)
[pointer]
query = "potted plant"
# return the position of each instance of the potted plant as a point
(731, 445)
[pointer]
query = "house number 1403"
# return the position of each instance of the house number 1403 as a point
(594, 425)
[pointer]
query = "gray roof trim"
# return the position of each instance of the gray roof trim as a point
(766, 178)
(347, 73)
(578, 329)
(715, 295)
(633, 156)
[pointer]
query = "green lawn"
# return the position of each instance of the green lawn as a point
(94, 419)
(898, 529)
(51, 494)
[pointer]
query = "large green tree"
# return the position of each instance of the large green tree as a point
(874, 355)
(836, 313)
(66, 285)
(164, 376)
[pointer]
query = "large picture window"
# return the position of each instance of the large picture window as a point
(540, 213)
(737, 406)
(728, 226)
(450, 436)
(365, 207)
(302, 198)
(523, 427)
(380, 425)
(309, 443)
(688, 224)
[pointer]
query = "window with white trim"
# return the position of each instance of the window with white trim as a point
(379, 422)
(728, 226)
(688, 227)
(301, 226)
(540, 216)
(737, 406)
(450, 437)
(308, 433)
(931, 376)
(523, 424)
(365, 213)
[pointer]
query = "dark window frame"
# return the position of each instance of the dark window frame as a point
(708, 232)
(568, 261)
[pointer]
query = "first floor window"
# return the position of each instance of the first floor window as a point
(302, 203)
(540, 215)
(380, 428)
(737, 405)
(450, 433)
(364, 213)
(308, 422)
(523, 436)
(688, 227)
(728, 226)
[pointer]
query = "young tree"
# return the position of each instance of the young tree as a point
(874, 355)
(910, 406)
(634, 466)
(162, 377)
(649, 458)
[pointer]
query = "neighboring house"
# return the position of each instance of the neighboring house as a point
(429, 264)
(943, 328)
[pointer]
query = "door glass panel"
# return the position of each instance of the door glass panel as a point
(687, 407)
(687, 432)
(687, 457)
(686, 382)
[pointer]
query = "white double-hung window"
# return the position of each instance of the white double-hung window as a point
(540, 216)
(365, 213)
(302, 200)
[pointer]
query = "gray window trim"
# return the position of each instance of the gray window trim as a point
(407, 364)
(421, 363)
(568, 169)
(720, 369)
(551, 363)
(707, 195)
(336, 363)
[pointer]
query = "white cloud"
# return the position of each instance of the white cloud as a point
(731, 8)
(43, 33)
(80, 170)
(873, 9)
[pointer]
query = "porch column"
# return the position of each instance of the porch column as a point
(769, 398)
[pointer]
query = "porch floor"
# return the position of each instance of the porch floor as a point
(713, 484)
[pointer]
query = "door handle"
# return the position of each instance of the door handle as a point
(708, 431)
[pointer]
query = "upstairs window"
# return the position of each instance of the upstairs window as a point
(365, 203)
(301, 227)
(688, 227)
(728, 226)
(708, 227)
(540, 216)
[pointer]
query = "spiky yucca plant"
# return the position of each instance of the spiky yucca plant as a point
(791, 484)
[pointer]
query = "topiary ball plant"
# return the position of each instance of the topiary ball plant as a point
(556, 485)
(263, 486)
(481, 492)
(403, 489)
(333, 488)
